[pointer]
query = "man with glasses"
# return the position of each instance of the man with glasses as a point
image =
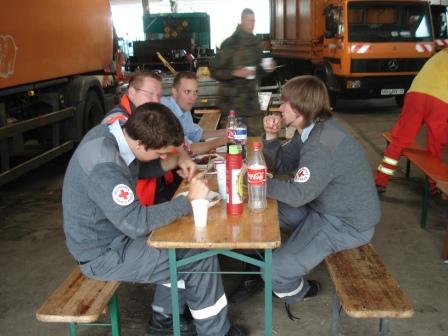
(184, 95)
(144, 87)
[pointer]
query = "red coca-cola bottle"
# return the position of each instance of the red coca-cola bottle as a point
(234, 163)
(256, 179)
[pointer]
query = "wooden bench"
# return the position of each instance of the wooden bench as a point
(365, 289)
(80, 301)
(435, 169)
(209, 120)
(415, 145)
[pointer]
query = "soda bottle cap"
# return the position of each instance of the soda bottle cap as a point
(233, 149)
(256, 145)
(232, 112)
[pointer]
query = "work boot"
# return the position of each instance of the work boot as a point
(313, 290)
(250, 285)
(236, 331)
(380, 189)
(162, 324)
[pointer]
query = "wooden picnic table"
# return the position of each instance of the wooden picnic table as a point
(223, 234)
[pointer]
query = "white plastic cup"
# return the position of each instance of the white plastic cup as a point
(252, 69)
(200, 212)
(221, 176)
(267, 63)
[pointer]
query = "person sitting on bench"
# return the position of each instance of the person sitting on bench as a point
(184, 95)
(106, 226)
(330, 204)
(426, 102)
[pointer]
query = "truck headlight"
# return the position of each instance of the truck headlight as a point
(353, 84)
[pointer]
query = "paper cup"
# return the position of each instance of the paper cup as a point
(200, 211)
(267, 63)
(252, 69)
(221, 176)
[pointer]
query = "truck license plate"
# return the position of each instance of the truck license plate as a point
(388, 92)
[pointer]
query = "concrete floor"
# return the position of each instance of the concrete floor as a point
(34, 259)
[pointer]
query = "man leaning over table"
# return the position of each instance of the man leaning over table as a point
(330, 203)
(184, 95)
(106, 227)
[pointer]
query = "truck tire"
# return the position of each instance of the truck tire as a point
(93, 111)
(321, 73)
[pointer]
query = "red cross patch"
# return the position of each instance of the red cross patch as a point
(122, 195)
(302, 175)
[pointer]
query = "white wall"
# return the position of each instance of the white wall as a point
(224, 16)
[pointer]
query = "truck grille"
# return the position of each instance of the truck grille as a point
(387, 65)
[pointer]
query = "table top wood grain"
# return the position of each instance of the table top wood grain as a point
(246, 231)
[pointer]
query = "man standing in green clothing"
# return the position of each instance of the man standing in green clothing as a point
(236, 66)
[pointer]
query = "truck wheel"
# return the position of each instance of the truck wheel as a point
(399, 100)
(93, 111)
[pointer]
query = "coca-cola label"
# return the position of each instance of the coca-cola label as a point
(256, 176)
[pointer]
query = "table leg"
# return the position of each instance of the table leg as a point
(174, 291)
(267, 292)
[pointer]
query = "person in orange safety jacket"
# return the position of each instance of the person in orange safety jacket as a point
(144, 87)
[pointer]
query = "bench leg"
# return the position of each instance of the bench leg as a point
(336, 312)
(445, 252)
(408, 169)
(72, 328)
(114, 315)
(424, 214)
(384, 326)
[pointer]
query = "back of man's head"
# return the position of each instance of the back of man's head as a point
(155, 126)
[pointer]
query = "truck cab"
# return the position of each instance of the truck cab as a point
(374, 48)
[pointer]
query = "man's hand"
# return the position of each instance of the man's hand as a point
(272, 125)
(186, 165)
(198, 188)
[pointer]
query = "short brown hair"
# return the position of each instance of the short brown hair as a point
(136, 81)
(308, 96)
(247, 11)
(183, 74)
(155, 126)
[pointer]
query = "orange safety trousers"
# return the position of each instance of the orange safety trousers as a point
(419, 109)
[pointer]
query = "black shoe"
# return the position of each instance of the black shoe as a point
(248, 287)
(314, 289)
(236, 331)
(380, 189)
(161, 325)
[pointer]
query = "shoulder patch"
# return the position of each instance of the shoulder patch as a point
(302, 175)
(122, 195)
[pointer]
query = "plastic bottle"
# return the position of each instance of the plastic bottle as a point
(256, 179)
(234, 187)
(241, 135)
(230, 129)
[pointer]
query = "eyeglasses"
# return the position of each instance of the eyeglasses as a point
(151, 94)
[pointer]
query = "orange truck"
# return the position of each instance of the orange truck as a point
(359, 48)
(54, 84)
(440, 24)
